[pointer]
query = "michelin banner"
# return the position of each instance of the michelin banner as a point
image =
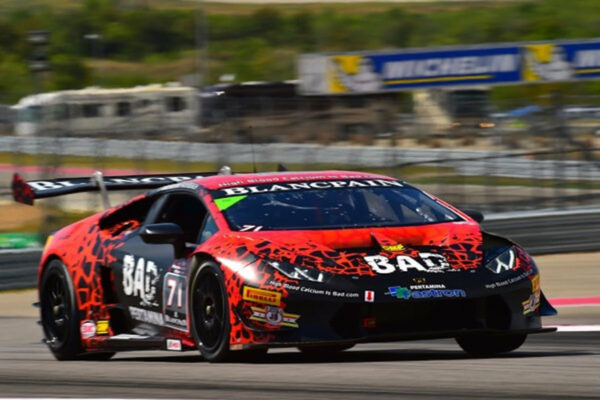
(347, 73)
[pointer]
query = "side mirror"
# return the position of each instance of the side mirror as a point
(475, 214)
(165, 233)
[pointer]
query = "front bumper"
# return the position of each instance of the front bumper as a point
(353, 322)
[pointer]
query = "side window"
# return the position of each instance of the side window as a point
(123, 109)
(91, 110)
(129, 217)
(185, 210)
(174, 104)
(209, 229)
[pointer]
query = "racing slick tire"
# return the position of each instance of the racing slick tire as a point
(60, 316)
(489, 345)
(209, 307)
(325, 350)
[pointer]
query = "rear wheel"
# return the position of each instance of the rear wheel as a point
(210, 312)
(489, 345)
(60, 318)
(59, 312)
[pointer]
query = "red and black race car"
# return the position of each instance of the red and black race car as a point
(245, 262)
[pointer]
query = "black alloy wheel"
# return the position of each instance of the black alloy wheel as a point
(59, 312)
(210, 312)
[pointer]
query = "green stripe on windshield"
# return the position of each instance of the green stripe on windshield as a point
(226, 202)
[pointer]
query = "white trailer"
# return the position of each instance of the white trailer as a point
(160, 109)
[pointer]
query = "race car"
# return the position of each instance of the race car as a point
(235, 264)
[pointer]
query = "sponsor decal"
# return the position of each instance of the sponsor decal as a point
(274, 316)
(109, 181)
(396, 247)
(310, 290)
(288, 186)
(262, 296)
(369, 322)
(533, 302)
(226, 202)
(404, 293)
(545, 62)
(426, 262)
(142, 315)
(504, 262)
(428, 286)
(140, 279)
(174, 345)
(369, 296)
(509, 281)
(535, 284)
(175, 301)
(102, 327)
(87, 329)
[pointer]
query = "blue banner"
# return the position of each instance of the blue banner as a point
(482, 65)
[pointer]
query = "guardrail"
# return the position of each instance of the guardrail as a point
(18, 268)
(538, 232)
(550, 232)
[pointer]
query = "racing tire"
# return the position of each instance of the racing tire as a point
(489, 345)
(59, 314)
(325, 350)
(209, 307)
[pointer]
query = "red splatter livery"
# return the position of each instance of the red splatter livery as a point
(85, 248)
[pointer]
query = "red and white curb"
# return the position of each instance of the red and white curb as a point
(575, 301)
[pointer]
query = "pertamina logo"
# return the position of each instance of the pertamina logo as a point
(262, 296)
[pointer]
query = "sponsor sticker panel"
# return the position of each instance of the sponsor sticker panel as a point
(274, 316)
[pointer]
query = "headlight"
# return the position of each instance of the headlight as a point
(500, 260)
(299, 273)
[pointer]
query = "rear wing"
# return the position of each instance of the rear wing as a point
(26, 192)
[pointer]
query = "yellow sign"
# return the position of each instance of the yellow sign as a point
(352, 74)
(102, 327)
(545, 62)
(262, 296)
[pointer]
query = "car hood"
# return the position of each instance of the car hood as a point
(358, 251)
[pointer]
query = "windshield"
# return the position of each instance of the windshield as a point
(329, 205)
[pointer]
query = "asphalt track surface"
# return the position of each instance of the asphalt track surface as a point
(548, 366)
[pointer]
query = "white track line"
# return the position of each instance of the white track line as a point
(575, 328)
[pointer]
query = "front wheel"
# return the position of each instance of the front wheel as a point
(210, 312)
(489, 345)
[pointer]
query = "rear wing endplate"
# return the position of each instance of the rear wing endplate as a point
(26, 192)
